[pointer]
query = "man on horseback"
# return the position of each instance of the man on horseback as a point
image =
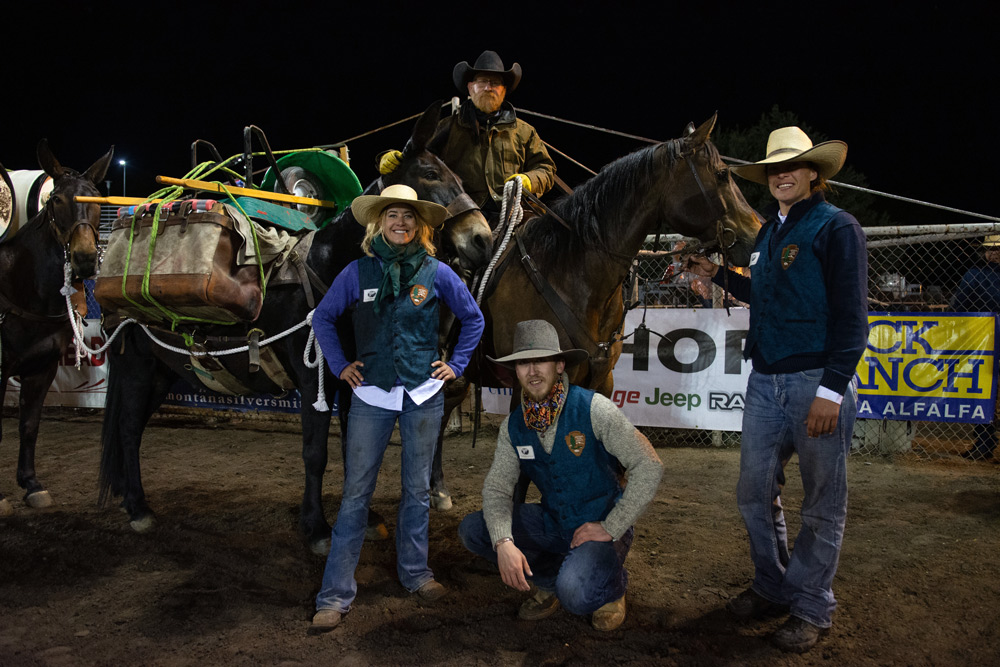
(485, 143)
(574, 445)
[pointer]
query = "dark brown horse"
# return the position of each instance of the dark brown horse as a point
(141, 373)
(572, 274)
(34, 324)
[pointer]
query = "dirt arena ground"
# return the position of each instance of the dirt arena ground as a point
(225, 579)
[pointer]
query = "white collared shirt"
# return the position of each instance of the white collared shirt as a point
(393, 399)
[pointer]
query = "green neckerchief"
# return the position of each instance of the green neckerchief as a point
(399, 266)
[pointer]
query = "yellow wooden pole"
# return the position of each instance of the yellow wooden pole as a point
(247, 192)
(113, 201)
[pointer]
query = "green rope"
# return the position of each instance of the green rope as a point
(133, 232)
(171, 194)
(256, 242)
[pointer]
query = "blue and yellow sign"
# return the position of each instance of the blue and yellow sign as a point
(929, 367)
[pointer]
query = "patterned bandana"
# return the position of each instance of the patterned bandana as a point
(539, 415)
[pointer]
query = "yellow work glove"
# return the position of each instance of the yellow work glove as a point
(389, 161)
(525, 181)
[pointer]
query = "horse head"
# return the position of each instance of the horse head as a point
(466, 235)
(73, 224)
(705, 202)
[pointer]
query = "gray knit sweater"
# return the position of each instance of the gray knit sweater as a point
(622, 441)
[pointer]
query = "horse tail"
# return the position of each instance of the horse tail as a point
(112, 471)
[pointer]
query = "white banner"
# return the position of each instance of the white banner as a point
(84, 388)
(693, 376)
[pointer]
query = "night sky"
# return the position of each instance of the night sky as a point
(912, 88)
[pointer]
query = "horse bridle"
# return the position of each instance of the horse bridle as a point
(64, 237)
(716, 209)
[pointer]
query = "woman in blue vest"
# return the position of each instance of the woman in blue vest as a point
(808, 328)
(395, 291)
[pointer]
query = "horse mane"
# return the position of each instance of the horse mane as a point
(600, 210)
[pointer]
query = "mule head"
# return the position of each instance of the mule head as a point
(466, 239)
(74, 224)
(705, 202)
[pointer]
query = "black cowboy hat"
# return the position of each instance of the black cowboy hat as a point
(488, 62)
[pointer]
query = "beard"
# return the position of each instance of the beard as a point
(487, 101)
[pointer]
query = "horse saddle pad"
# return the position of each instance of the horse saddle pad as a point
(189, 267)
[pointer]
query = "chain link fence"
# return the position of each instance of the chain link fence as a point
(910, 269)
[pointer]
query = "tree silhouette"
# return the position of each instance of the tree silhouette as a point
(749, 144)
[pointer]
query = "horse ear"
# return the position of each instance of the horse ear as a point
(688, 129)
(97, 170)
(47, 161)
(701, 135)
(424, 129)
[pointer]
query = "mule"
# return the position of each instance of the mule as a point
(141, 373)
(34, 324)
(568, 266)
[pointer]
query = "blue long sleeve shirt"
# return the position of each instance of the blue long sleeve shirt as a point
(346, 289)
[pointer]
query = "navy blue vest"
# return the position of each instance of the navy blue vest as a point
(579, 480)
(788, 308)
(400, 341)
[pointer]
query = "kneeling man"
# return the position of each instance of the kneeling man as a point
(574, 445)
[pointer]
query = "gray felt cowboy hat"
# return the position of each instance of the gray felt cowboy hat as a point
(537, 339)
(488, 62)
(790, 144)
(368, 208)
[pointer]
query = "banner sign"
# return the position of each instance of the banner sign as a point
(683, 369)
(929, 367)
(84, 388)
(87, 387)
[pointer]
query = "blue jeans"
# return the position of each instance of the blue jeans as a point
(368, 432)
(584, 579)
(773, 428)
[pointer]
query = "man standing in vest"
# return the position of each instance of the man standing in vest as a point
(808, 328)
(574, 445)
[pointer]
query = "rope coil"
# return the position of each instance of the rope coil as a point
(512, 194)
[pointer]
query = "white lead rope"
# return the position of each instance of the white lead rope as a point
(76, 321)
(516, 214)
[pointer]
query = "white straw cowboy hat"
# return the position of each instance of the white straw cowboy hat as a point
(368, 208)
(537, 339)
(488, 62)
(790, 144)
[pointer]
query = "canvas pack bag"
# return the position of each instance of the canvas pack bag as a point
(186, 272)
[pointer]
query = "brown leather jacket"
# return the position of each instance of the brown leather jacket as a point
(485, 156)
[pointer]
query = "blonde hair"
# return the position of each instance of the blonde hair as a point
(424, 232)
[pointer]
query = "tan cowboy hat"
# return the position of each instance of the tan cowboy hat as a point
(537, 339)
(368, 208)
(991, 241)
(790, 144)
(488, 62)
